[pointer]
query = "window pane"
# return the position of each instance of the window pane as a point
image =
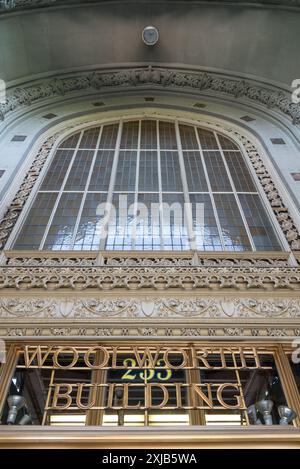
(204, 223)
(89, 231)
(239, 172)
(188, 137)
(109, 136)
(70, 142)
(194, 172)
(102, 170)
(126, 171)
(207, 140)
(167, 136)
(234, 233)
(148, 171)
(89, 138)
(148, 225)
(57, 171)
(121, 222)
(80, 170)
(227, 144)
(33, 229)
(148, 135)
(63, 223)
(259, 224)
(216, 170)
(170, 171)
(175, 234)
(130, 135)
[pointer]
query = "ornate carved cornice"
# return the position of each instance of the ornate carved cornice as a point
(245, 90)
(9, 5)
(142, 259)
(155, 278)
(148, 308)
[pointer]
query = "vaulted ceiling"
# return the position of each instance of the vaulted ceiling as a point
(240, 38)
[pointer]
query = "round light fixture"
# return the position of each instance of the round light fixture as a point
(150, 35)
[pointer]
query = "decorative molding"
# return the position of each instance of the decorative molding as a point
(149, 308)
(36, 261)
(279, 209)
(154, 278)
(142, 259)
(8, 5)
(271, 98)
(249, 331)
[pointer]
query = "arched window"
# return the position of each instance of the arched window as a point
(172, 186)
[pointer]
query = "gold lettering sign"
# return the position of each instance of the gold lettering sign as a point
(126, 377)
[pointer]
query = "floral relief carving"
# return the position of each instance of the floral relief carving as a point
(270, 97)
(148, 308)
(156, 279)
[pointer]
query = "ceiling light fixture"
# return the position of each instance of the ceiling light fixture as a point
(150, 35)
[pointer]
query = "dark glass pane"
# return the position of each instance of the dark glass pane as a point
(148, 135)
(61, 230)
(34, 226)
(80, 170)
(188, 137)
(259, 224)
(239, 172)
(167, 136)
(195, 176)
(216, 170)
(126, 171)
(130, 134)
(207, 140)
(226, 143)
(170, 171)
(70, 142)
(148, 171)
(234, 233)
(89, 138)
(109, 136)
(102, 171)
(57, 171)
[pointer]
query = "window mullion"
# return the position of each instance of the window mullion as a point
(159, 188)
(86, 189)
(235, 194)
(136, 189)
(210, 192)
(188, 212)
(112, 182)
(60, 192)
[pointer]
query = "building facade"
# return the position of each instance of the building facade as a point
(150, 224)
